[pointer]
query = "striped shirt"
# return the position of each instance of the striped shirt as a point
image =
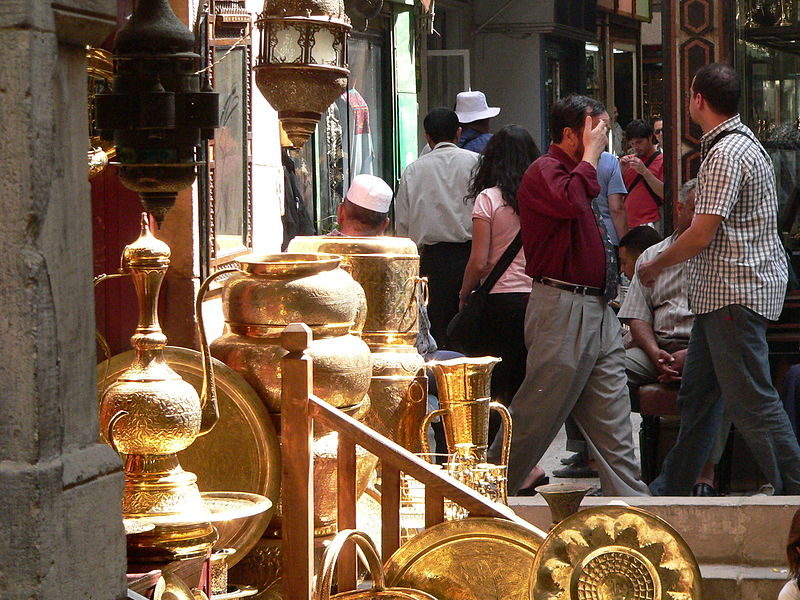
(745, 263)
(665, 306)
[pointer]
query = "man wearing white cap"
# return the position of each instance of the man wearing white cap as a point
(365, 209)
(474, 114)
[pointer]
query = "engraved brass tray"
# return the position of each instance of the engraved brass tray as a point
(472, 559)
(241, 453)
(611, 552)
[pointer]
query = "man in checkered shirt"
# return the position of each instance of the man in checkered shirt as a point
(737, 275)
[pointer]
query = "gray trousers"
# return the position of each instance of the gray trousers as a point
(576, 364)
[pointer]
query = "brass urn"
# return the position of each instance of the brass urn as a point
(259, 300)
(149, 414)
(388, 270)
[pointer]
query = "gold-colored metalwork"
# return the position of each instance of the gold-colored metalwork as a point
(465, 403)
(218, 565)
(370, 554)
(302, 61)
(564, 499)
(241, 453)
(388, 270)
(470, 559)
(149, 414)
(260, 299)
(614, 553)
(100, 69)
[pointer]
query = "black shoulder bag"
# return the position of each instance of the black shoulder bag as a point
(464, 329)
(640, 179)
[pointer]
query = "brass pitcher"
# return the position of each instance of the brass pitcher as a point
(388, 270)
(149, 414)
(465, 403)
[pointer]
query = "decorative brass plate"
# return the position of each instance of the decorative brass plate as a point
(471, 559)
(241, 454)
(614, 553)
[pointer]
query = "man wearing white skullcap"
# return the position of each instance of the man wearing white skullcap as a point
(365, 210)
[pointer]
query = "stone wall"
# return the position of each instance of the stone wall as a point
(59, 487)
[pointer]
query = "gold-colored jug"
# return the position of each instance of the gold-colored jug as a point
(388, 270)
(149, 414)
(465, 405)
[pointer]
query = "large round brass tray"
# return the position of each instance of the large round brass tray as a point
(610, 552)
(471, 559)
(241, 453)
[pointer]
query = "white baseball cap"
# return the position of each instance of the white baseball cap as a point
(370, 192)
(472, 106)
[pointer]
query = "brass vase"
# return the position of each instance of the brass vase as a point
(149, 414)
(259, 299)
(388, 270)
(465, 405)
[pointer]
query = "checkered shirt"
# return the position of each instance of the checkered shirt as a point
(745, 263)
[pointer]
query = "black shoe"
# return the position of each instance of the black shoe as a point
(531, 489)
(703, 489)
(580, 470)
(572, 459)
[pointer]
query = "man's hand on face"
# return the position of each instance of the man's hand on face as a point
(594, 139)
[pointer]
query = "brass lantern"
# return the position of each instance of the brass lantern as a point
(302, 61)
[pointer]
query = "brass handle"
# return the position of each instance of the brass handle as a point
(109, 432)
(208, 396)
(101, 340)
(505, 414)
(423, 430)
(368, 553)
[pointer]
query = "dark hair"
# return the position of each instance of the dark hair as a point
(792, 544)
(368, 218)
(441, 124)
(638, 129)
(571, 112)
(640, 238)
(508, 154)
(719, 85)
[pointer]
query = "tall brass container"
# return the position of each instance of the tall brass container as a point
(259, 299)
(388, 270)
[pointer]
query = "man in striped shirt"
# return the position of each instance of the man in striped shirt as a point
(737, 274)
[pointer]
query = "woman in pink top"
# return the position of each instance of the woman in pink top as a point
(495, 224)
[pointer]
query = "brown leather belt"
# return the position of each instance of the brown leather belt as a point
(583, 290)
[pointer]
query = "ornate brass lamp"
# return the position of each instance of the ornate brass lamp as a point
(302, 61)
(160, 107)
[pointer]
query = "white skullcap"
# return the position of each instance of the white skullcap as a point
(370, 192)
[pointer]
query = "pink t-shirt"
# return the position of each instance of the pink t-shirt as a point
(504, 222)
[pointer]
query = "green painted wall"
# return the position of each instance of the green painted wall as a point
(405, 76)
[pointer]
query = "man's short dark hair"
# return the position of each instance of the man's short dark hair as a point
(369, 219)
(639, 238)
(441, 124)
(638, 129)
(571, 112)
(720, 86)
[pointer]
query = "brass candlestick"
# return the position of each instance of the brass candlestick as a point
(149, 415)
(564, 499)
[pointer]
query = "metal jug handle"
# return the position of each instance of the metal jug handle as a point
(366, 550)
(423, 430)
(101, 340)
(109, 432)
(208, 395)
(505, 414)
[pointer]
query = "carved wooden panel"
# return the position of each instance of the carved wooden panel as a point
(695, 53)
(697, 16)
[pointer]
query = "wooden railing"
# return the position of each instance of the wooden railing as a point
(300, 408)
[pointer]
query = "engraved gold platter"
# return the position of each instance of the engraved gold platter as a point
(472, 559)
(614, 553)
(241, 453)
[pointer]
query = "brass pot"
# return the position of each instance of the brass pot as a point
(259, 300)
(388, 270)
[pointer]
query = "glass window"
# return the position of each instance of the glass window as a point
(771, 108)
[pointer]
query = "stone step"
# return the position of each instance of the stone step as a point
(738, 582)
(731, 530)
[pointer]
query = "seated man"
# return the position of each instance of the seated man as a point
(631, 246)
(661, 322)
(659, 317)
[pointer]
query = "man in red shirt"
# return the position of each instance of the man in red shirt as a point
(576, 360)
(643, 173)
